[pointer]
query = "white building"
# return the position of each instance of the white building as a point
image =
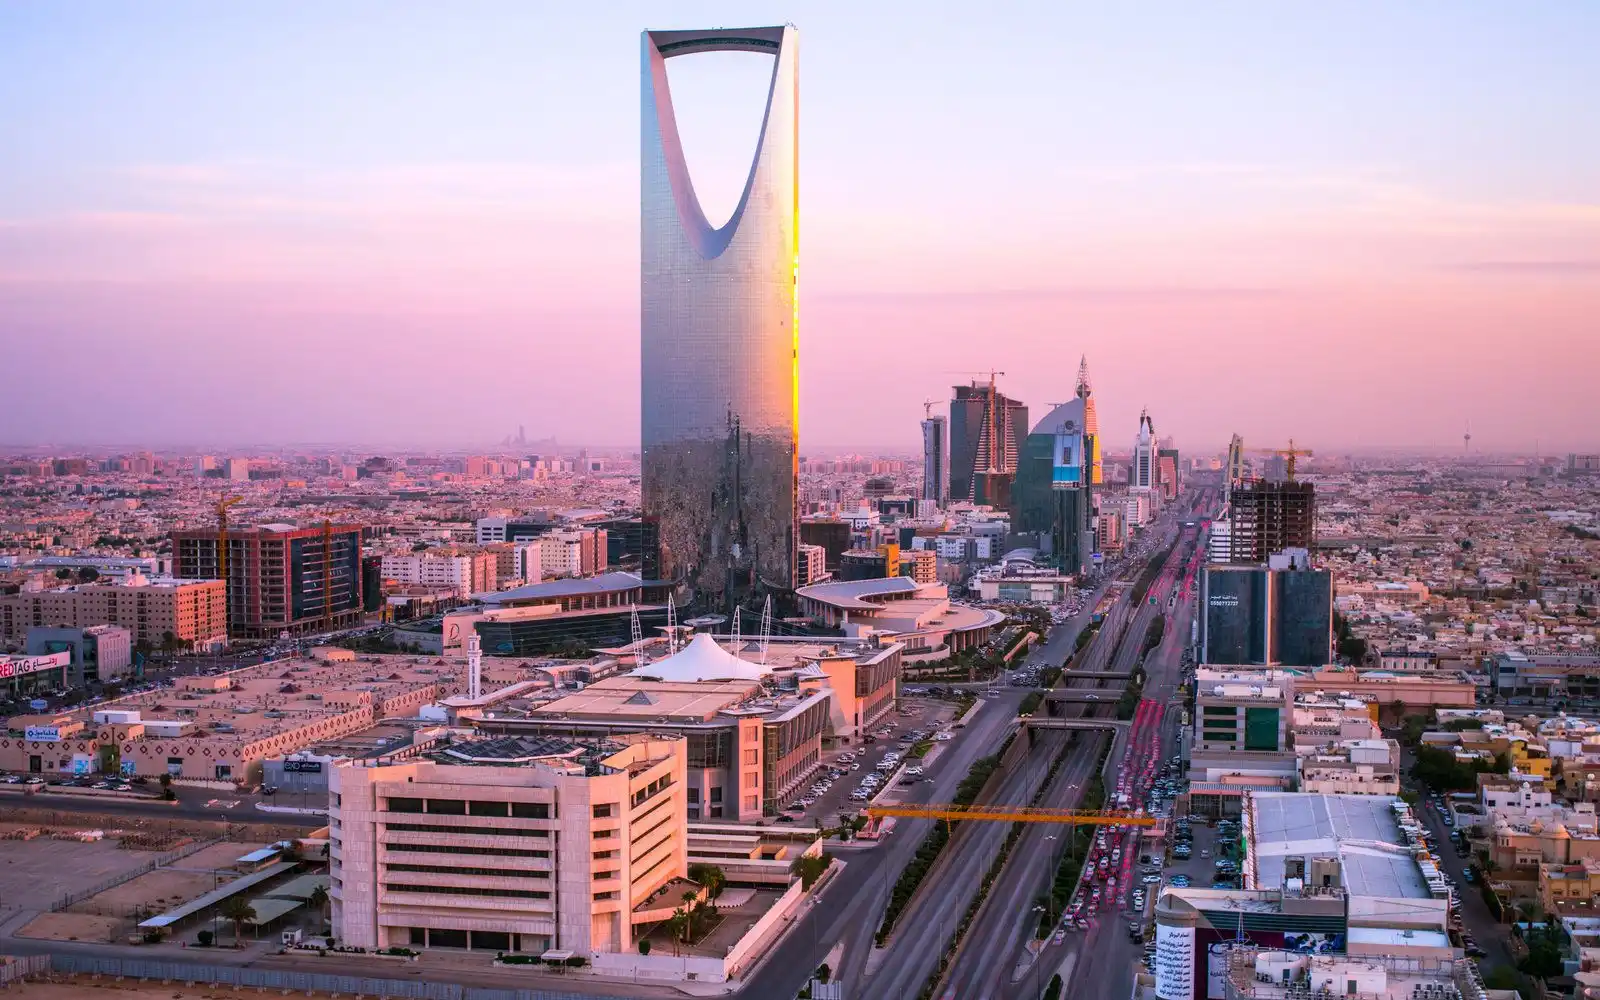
(1142, 473)
(435, 571)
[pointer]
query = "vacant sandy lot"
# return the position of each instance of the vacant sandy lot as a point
(77, 927)
(34, 873)
(159, 890)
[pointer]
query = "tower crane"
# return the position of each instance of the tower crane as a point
(222, 535)
(1291, 453)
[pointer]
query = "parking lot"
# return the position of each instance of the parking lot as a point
(846, 767)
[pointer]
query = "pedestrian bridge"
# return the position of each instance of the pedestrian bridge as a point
(1043, 722)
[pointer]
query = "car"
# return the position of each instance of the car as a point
(12, 779)
(1151, 879)
(1180, 881)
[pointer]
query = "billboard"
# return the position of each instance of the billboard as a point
(1066, 460)
(43, 734)
(1174, 966)
(303, 766)
(17, 666)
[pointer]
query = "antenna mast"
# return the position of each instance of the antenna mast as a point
(766, 628)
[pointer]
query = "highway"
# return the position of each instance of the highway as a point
(995, 960)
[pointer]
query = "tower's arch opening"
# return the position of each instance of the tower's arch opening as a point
(719, 100)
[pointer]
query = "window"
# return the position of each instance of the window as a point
(467, 830)
(489, 808)
(500, 852)
(604, 855)
(443, 870)
(609, 873)
(751, 756)
(751, 779)
(694, 796)
(604, 834)
(530, 810)
(752, 803)
(452, 890)
(601, 896)
(716, 794)
(603, 811)
(447, 807)
(404, 805)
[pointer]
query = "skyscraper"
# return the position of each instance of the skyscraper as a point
(1142, 474)
(1051, 496)
(935, 459)
(1091, 422)
(720, 338)
(986, 432)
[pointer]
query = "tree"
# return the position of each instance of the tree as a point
(810, 867)
(676, 924)
(710, 876)
(644, 946)
(63, 574)
(690, 898)
(88, 574)
(240, 912)
(318, 900)
(166, 780)
(205, 939)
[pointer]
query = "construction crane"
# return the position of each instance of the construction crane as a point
(222, 536)
(1290, 453)
(327, 568)
(991, 426)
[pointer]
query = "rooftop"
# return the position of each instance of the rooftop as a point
(1360, 830)
(605, 583)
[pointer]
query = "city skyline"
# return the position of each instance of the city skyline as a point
(1229, 208)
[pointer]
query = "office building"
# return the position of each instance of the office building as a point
(238, 470)
(1142, 474)
(633, 544)
(1052, 496)
(281, 578)
(1242, 710)
(1167, 472)
(754, 729)
(1267, 517)
(986, 432)
(509, 529)
(186, 615)
(100, 653)
(1280, 614)
(719, 339)
(936, 459)
(832, 535)
(583, 834)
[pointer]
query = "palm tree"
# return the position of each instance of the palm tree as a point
(318, 901)
(676, 924)
(690, 897)
(238, 910)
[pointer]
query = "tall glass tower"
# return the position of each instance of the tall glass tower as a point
(720, 339)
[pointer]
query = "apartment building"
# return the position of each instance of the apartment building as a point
(461, 572)
(281, 578)
(1351, 767)
(509, 844)
(191, 612)
(573, 553)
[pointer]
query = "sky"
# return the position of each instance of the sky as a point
(1356, 225)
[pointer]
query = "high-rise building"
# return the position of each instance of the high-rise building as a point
(1267, 517)
(1142, 473)
(986, 432)
(1052, 495)
(720, 340)
(1091, 423)
(935, 459)
(1167, 472)
(280, 578)
(1280, 613)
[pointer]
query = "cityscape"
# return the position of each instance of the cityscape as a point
(1213, 617)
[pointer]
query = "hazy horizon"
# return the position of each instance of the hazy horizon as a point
(1352, 226)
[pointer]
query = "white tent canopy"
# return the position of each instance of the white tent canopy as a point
(702, 660)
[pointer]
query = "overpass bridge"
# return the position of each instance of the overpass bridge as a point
(1102, 725)
(1098, 675)
(1104, 696)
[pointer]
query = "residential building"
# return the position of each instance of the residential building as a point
(160, 613)
(814, 564)
(281, 578)
(461, 572)
(921, 565)
(719, 407)
(509, 844)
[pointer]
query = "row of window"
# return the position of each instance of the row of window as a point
(476, 831)
(500, 852)
(462, 807)
(453, 890)
(441, 870)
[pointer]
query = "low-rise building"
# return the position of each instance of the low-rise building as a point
(100, 653)
(510, 844)
(160, 613)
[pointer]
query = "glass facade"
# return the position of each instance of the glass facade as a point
(1051, 497)
(720, 340)
(1302, 613)
(1234, 624)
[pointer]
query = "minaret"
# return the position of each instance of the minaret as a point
(474, 665)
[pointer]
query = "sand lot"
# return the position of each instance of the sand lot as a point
(221, 855)
(159, 890)
(77, 927)
(34, 873)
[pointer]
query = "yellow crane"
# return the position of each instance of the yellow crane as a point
(222, 535)
(1291, 453)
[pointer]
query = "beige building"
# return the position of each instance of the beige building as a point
(221, 727)
(510, 844)
(192, 611)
